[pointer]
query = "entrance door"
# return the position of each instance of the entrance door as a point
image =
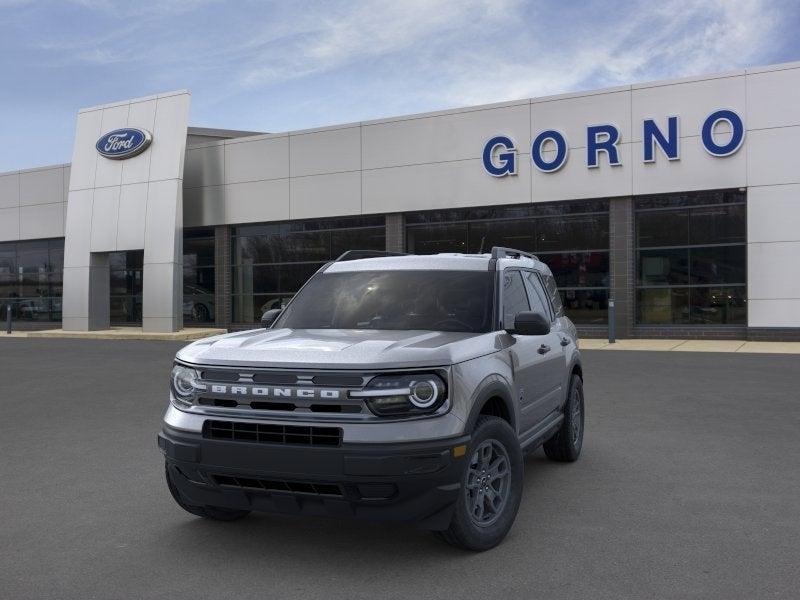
(126, 287)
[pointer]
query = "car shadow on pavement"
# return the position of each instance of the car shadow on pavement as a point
(281, 539)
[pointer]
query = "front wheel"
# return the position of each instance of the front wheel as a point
(200, 313)
(216, 513)
(566, 444)
(491, 488)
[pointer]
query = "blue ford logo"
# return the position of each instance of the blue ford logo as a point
(123, 143)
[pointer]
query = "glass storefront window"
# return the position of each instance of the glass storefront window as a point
(659, 306)
(691, 259)
(724, 224)
(585, 306)
(198, 276)
(718, 305)
(668, 266)
(572, 238)
(579, 269)
(585, 232)
(662, 228)
(433, 239)
(248, 308)
(270, 262)
(8, 258)
(31, 279)
(482, 236)
(718, 264)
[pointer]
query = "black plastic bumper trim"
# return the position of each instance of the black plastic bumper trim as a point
(416, 482)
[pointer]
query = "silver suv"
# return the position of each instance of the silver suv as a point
(393, 387)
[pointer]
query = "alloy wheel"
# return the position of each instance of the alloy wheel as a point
(488, 483)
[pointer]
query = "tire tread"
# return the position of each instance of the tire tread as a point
(559, 447)
(459, 534)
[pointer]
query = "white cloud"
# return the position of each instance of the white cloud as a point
(451, 52)
(325, 38)
(675, 39)
(455, 53)
(354, 59)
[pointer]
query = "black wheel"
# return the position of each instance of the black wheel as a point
(207, 512)
(565, 445)
(200, 313)
(491, 489)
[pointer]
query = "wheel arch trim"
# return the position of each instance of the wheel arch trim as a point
(492, 388)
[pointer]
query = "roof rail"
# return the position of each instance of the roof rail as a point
(357, 254)
(500, 252)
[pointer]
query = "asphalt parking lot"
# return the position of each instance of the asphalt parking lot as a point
(689, 487)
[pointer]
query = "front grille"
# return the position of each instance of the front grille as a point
(339, 380)
(330, 407)
(273, 485)
(224, 376)
(294, 394)
(275, 378)
(264, 433)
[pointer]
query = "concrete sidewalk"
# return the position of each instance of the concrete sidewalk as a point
(694, 346)
(120, 333)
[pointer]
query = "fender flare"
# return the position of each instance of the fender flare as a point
(491, 388)
(576, 365)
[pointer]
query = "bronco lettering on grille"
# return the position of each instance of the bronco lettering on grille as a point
(274, 392)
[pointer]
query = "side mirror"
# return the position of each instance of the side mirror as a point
(531, 323)
(268, 318)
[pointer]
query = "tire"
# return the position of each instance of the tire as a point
(217, 513)
(477, 532)
(566, 444)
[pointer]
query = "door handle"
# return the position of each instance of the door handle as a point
(565, 341)
(543, 349)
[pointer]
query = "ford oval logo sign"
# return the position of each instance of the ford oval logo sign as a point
(124, 143)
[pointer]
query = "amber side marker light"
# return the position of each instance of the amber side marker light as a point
(459, 451)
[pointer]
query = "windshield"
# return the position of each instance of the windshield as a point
(431, 300)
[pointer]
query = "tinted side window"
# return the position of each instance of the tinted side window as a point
(515, 299)
(552, 292)
(537, 295)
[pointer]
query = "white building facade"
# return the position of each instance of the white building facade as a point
(678, 200)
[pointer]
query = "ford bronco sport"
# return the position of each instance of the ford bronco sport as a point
(393, 387)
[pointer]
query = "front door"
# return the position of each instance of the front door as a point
(553, 377)
(536, 359)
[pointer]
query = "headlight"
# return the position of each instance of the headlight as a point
(403, 395)
(184, 383)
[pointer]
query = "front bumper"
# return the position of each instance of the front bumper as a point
(411, 482)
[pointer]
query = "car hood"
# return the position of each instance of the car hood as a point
(339, 349)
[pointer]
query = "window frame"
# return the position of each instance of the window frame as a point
(687, 206)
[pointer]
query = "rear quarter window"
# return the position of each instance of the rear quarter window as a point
(515, 298)
(552, 292)
(537, 295)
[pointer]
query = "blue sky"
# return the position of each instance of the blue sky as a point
(276, 66)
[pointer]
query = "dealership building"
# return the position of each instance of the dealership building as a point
(677, 200)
